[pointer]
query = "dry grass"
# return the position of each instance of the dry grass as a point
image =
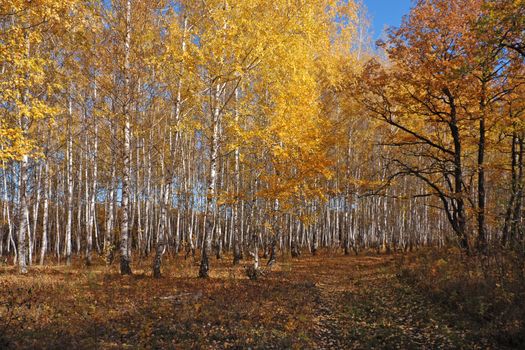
(96, 307)
(327, 301)
(489, 290)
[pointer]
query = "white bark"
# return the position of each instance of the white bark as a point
(212, 184)
(45, 217)
(23, 215)
(125, 256)
(69, 180)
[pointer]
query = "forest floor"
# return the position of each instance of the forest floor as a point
(324, 302)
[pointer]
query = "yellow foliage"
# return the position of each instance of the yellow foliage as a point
(25, 79)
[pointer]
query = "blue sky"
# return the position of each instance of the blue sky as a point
(386, 13)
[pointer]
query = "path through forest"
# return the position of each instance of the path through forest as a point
(310, 303)
(363, 304)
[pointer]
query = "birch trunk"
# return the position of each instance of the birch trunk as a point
(212, 183)
(125, 257)
(69, 180)
(23, 215)
(162, 240)
(45, 217)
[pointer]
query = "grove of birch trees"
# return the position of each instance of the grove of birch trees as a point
(248, 129)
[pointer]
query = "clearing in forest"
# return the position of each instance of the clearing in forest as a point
(308, 303)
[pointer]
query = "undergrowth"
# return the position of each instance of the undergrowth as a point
(489, 289)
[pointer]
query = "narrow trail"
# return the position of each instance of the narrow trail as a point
(362, 304)
(327, 327)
